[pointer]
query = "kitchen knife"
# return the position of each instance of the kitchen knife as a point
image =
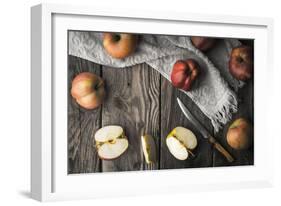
(204, 132)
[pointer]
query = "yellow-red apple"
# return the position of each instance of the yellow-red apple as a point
(119, 45)
(88, 90)
(239, 135)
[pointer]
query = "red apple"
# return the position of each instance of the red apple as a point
(203, 43)
(239, 135)
(184, 73)
(241, 63)
(119, 45)
(88, 90)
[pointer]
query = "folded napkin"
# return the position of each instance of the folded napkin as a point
(211, 94)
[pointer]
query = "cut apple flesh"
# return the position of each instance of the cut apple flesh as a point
(111, 142)
(186, 137)
(108, 151)
(180, 141)
(148, 148)
(109, 133)
(177, 149)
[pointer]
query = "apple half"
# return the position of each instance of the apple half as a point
(180, 142)
(148, 148)
(111, 142)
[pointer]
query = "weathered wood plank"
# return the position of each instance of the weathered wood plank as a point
(246, 110)
(73, 117)
(142, 102)
(171, 117)
(133, 103)
(82, 124)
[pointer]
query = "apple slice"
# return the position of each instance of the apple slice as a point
(111, 142)
(148, 148)
(177, 149)
(109, 151)
(180, 142)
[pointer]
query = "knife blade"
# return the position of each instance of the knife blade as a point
(194, 121)
(203, 131)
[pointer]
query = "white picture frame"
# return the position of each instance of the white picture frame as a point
(49, 179)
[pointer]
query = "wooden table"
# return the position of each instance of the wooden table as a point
(141, 101)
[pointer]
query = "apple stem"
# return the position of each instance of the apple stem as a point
(117, 37)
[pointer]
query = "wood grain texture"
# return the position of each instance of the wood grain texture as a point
(82, 124)
(246, 110)
(133, 103)
(171, 117)
(143, 102)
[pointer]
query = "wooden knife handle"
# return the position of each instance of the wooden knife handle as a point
(220, 148)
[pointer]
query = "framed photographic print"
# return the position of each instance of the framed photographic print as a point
(135, 102)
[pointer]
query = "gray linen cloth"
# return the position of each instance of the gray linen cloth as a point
(211, 93)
